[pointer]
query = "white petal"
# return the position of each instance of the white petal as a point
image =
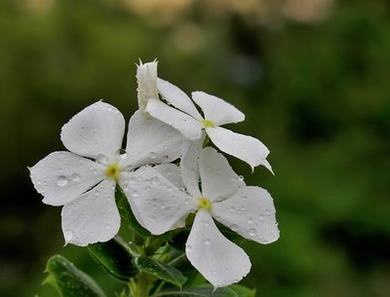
(177, 98)
(172, 173)
(244, 147)
(189, 166)
(63, 176)
(217, 110)
(95, 132)
(147, 83)
(219, 181)
(187, 125)
(251, 213)
(219, 260)
(93, 217)
(156, 202)
(150, 141)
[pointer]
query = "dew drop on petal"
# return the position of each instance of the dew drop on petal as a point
(252, 232)
(75, 177)
(62, 181)
(232, 209)
(234, 227)
(207, 241)
(102, 159)
(250, 221)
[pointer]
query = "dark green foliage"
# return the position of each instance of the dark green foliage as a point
(202, 291)
(160, 270)
(115, 257)
(70, 281)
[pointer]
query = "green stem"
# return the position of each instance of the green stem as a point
(140, 285)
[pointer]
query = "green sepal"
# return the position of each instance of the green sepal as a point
(127, 214)
(160, 270)
(201, 291)
(114, 256)
(242, 291)
(69, 280)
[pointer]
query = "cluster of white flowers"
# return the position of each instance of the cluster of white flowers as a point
(167, 127)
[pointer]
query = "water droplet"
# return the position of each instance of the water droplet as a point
(188, 248)
(244, 198)
(135, 194)
(240, 177)
(207, 241)
(107, 226)
(102, 159)
(148, 188)
(250, 221)
(62, 181)
(234, 227)
(232, 209)
(261, 217)
(267, 212)
(75, 177)
(252, 232)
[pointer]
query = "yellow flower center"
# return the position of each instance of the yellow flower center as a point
(204, 203)
(113, 171)
(207, 123)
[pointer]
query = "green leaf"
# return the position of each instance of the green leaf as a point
(127, 214)
(115, 257)
(70, 281)
(242, 291)
(202, 291)
(160, 270)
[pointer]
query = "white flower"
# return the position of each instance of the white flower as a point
(187, 119)
(84, 179)
(162, 204)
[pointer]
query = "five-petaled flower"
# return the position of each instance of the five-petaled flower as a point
(167, 195)
(161, 194)
(84, 179)
(186, 118)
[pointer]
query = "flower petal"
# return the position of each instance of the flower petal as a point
(244, 147)
(189, 166)
(95, 132)
(172, 173)
(219, 181)
(93, 217)
(186, 124)
(217, 110)
(251, 213)
(147, 83)
(63, 176)
(150, 141)
(156, 202)
(219, 260)
(177, 98)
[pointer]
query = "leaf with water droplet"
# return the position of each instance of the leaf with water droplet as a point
(160, 270)
(114, 256)
(69, 280)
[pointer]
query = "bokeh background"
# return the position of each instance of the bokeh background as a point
(312, 77)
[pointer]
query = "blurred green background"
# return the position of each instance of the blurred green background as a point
(312, 77)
